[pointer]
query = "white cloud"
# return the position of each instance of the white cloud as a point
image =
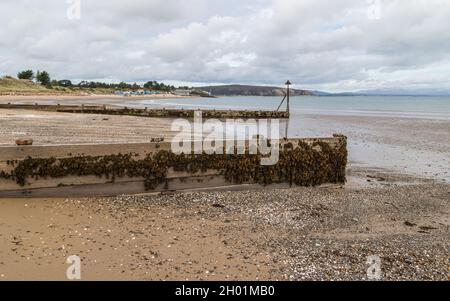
(331, 45)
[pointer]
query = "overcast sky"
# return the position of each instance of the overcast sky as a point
(340, 45)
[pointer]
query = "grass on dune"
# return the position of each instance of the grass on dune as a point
(11, 86)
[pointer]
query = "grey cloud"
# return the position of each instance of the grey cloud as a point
(316, 43)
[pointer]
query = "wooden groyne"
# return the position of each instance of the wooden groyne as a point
(146, 112)
(88, 170)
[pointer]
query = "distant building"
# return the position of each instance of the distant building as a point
(140, 92)
(182, 92)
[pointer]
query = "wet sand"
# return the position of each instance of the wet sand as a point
(62, 128)
(420, 147)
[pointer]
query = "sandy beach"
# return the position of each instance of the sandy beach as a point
(293, 234)
(62, 128)
(384, 210)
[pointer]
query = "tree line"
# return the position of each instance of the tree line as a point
(43, 78)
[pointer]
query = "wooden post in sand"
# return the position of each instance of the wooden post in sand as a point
(288, 84)
(288, 109)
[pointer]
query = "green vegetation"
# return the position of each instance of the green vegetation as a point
(43, 78)
(155, 86)
(9, 85)
(65, 83)
(43, 84)
(27, 74)
(12, 86)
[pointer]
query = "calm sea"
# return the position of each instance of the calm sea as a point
(404, 134)
(389, 106)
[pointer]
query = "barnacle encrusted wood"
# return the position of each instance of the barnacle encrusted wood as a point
(161, 113)
(300, 164)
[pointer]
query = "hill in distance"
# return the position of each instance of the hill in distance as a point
(248, 90)
(245, 90)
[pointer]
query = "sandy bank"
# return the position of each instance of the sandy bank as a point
(27, 99)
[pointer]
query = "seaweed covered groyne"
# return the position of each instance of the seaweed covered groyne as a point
(153, 167)
(146, 112)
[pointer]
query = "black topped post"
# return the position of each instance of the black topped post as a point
(288, 84)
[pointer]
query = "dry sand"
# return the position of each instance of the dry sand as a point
(293, 234)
